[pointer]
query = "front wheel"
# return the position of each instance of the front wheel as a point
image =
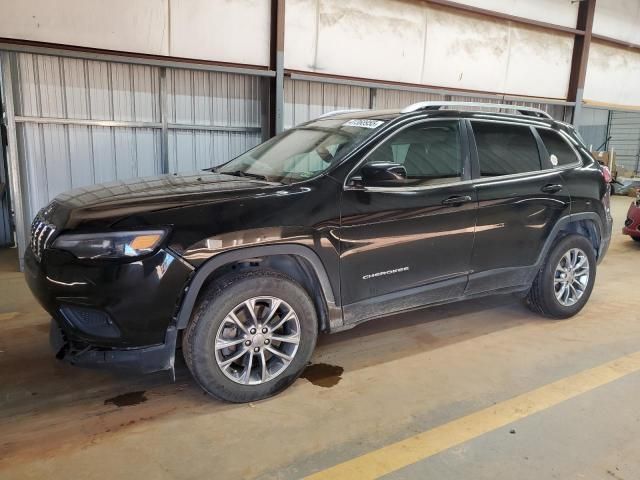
(564, 283)
(251, 336)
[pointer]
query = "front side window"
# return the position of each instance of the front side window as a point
(560, 153)
(505, 149)
(430, 152)
(302, 152)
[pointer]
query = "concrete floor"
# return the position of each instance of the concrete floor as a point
(380, 383)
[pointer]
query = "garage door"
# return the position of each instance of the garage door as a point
(625, 140)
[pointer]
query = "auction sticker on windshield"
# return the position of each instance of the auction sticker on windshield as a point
(363, 123)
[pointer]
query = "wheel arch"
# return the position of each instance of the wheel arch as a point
(587, 224)
(309, 271)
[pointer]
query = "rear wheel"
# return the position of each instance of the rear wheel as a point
(250, 336)
(564, 283)
(637, 239)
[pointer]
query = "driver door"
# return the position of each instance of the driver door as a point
(409, 244)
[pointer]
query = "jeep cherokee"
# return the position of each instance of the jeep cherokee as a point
(349, 217)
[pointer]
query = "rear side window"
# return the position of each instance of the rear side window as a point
(505, 149)
(560, 153)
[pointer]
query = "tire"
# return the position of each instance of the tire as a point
(212, 321)
(637, 239)
(542, 297)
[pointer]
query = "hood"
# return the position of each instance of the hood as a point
(110, 202)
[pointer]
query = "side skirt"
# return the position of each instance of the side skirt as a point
(369, 309)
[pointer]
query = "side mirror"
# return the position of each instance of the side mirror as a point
(383, 174)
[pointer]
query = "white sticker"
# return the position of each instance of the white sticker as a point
(363, 123)
(554, 160)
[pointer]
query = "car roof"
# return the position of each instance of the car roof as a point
(530, 117)
(393, 114)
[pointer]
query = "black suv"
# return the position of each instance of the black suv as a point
(349, 217)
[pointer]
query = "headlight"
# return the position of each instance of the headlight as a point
(111, 244)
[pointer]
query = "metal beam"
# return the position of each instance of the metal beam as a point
(11, 45)
(164, 122)
(213, 128)
(580, 57)
(86, 123)
(616, 42)
(504, 16)
(130, 124)
(276, 93)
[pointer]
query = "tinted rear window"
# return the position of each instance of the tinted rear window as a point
(560, 153)
(505, 149)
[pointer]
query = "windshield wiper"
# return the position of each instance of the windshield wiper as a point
(240, 173)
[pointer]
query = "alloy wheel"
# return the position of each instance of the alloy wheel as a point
(571, 277)
(257, 340)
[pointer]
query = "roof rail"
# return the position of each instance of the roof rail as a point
(337, 112)
(530, 111)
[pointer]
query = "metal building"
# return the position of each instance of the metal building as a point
(90, 99)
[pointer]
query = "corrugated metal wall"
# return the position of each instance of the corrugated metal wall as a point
(212, 117)
(80, 122)
(306, 100)
(594, 126)
(625, 140)
(54, 96)
(389, 99)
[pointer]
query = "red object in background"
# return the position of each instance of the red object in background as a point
(606, 173)
(632, 224)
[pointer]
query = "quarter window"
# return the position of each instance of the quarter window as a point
(560, 153)
(505, 149)
(430, 152)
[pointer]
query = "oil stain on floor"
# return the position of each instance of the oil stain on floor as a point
(323, 374)
(127, 399)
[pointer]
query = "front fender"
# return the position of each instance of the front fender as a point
(201, 275)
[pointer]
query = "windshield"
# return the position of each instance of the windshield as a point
(302, 152)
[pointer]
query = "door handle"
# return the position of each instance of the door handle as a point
(457, 200)
(552, 188)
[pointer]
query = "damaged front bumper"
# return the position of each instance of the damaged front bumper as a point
(149, 359)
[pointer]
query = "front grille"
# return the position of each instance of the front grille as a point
(41, 236)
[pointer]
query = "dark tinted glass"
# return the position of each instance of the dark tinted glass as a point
(430, 152)
(559, 152)
(505, 149)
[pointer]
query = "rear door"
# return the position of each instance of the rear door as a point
(520, 198)
(410, 244)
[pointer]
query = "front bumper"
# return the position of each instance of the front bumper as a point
(110, 313)
(632, 224)
(139, 360)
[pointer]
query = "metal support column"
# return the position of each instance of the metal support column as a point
(372, 97)
(580, 56)
(276, 96)
(15, 182)
(164, 139)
